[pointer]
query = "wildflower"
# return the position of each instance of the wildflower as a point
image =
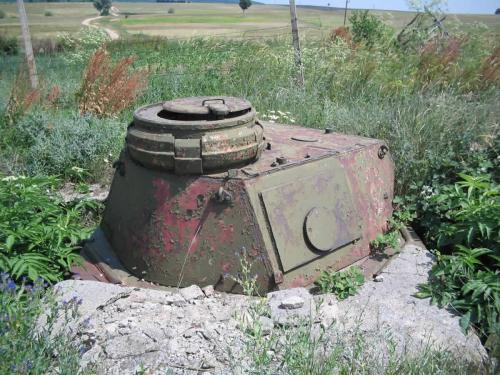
(9, 178)
(28, 364)
(11, 285)
(77, 169)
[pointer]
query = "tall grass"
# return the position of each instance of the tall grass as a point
(380, 92)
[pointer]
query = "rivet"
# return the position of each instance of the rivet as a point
(281, 160)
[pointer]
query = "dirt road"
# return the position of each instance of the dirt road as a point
(111, 33)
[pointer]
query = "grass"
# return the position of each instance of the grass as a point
(433, 109)
(196, 19)
(28, 347)
(376, 93)
(306, 347)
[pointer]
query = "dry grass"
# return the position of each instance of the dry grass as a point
(438, 57)
(490, 71)
(21, 97)
(108, 88)
(343, 33)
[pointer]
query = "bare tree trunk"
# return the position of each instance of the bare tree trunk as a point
(296, 42)
(345, 10)
(28, 48)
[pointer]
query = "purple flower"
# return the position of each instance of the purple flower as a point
(11, 284)
(28, 364)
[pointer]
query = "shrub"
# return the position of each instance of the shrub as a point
(78, 48)
(109, 88)
(366, 28)
(27, 347)
(39, 234)
(343, 284)
(46, 46)
(48, 13)
(57, 143)
(461, 220)
(2, 14)
(8, 45)
(171, 10)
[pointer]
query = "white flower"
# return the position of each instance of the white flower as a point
(9, 178)
(77, 169)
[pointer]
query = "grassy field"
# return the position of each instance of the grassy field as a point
(197, 19)
(435, 103)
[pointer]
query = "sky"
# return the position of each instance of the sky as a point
(452, 6)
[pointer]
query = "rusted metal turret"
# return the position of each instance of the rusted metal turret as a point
(201, 178)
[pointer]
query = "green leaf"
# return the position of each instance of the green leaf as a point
(10, 242)
(465, 321)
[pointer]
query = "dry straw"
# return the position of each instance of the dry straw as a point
(108, 88)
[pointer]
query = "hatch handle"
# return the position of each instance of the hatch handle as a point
(212, 100)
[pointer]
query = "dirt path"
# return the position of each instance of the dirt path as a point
(111, 33)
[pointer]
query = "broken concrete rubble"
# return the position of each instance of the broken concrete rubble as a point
(133, 328)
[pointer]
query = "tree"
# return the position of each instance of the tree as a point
(245, 4)
(103, 6)
(497, 12)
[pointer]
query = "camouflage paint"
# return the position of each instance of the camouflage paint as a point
(180, 230)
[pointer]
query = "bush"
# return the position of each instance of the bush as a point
(171, 10)
(27, 347)
(8, 45)
(2, 14)
(57, 143)
(39, 234)
(366, 28)
(460, 220)
(48, 13)
(78, 48)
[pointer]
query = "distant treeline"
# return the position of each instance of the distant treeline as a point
(129, 1)
(49, 1)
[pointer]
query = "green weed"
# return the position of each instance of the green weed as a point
(50, 143)
(461, 220)
(307, 348)
(28, 347)
(342, 283)
(39, 234)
